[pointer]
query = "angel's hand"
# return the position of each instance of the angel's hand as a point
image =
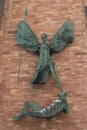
(26, 38)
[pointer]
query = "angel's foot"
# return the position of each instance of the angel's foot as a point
(17, 117)
(32, 88)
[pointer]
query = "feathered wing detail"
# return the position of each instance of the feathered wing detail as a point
(26, 38)
(63, 37)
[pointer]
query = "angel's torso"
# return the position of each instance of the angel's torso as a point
(45, 53)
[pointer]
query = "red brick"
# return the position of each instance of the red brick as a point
(71, 65)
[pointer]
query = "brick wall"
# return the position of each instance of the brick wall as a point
(71, 65)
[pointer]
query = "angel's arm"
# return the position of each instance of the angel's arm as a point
(28, 40)
(63, 37)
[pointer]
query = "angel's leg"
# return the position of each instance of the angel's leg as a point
(32, 87)
(55, 77)
(24, 112)
(32, 81)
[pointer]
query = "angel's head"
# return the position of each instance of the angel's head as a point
(44, 37)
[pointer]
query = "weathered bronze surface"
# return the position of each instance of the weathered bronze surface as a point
(1, 9)
(59, 105)
(27, 39)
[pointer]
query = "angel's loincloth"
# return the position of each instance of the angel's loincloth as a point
(41, 74)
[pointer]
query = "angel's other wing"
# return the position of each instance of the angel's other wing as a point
(63, 37)
(26, 38)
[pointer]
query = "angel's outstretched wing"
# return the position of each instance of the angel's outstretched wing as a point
(26, 38)
(63, 37)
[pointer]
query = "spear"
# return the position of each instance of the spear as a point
(24, 14)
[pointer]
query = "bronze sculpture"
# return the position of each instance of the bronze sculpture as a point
(59, 105)
(26, 39)
(45, 65)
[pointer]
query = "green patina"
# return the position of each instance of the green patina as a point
(26, 39)
(59, 105)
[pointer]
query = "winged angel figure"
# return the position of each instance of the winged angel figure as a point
(29, 41)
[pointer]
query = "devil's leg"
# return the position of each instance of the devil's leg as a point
(24, 112)
(21, 114)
